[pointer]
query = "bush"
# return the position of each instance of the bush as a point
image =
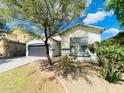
(111, 72)
(67, 62)
(111, 57)
(92, 48)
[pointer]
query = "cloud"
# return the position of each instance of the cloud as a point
(114, 31)
(96, 17)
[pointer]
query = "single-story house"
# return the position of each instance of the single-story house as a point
(72, 42)
(10, 47)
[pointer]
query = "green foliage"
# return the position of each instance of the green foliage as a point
(111, 72)
(44, 13)
(5, 13)
(3, 17)
(2, 32)
(111, 57)
(2, 24)
(118, 7)
(92, 48)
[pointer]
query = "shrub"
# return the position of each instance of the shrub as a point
(111, 57)
(67, 62)
(111, 72)
(92, 48)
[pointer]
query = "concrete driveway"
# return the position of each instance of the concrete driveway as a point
(8, 64)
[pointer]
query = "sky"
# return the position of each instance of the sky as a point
(94, 15)
(97, 16)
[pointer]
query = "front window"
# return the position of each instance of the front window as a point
(78, 46)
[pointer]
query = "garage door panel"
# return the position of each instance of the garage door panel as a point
(37, 51)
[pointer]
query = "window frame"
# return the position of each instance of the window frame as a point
(79, 44)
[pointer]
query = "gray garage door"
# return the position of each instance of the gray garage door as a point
(38, 50)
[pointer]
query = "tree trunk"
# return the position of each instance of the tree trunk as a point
(46, 44)
(47, 53)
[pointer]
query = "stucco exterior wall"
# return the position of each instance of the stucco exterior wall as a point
(11, 49)
(3, 46)
(93, 37)
(56, 48)
(91, 33)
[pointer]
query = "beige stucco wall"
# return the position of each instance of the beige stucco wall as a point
(54, 48)
(3, 47)
(11, 49)
(79, 31)
(93, 37)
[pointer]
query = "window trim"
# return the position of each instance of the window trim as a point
(77, 55)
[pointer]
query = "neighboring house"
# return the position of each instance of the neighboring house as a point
(73, 42)
(13, 44)
(10, 47)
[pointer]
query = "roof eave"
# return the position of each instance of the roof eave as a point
(99, 28)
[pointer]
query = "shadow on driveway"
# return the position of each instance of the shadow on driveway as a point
(4, 61)
(8, 64)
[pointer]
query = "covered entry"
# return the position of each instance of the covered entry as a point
(37, 50)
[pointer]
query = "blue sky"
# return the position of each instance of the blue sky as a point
(94, 15)
(97, 16)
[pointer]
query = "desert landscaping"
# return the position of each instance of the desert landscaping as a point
(33, 78)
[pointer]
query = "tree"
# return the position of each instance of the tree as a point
(118, 7)
(3, 17)
(2, 24)
(48, 15)
(110, 55)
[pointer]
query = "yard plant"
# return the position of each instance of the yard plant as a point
(111, 57)
(67, 62)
